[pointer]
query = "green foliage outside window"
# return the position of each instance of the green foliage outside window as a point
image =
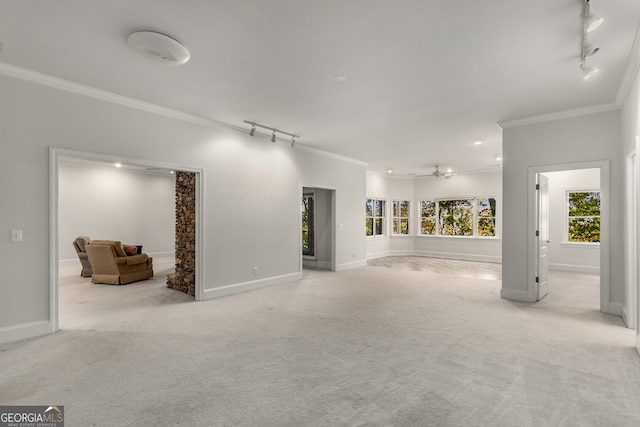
(375, 212)
(401, 217)
(428, 217)
(458, 217)
(487, 217)
(583, 216)
(455, 217)
(307, 225)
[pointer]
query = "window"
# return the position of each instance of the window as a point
(486, 218)
(455, 217)
(401, 217)
(470, 217)
(428, 217)
(375, 211)
(583, 216)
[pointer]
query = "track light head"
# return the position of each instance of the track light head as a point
(588, 49)
(591, 22)
(293, 141)
(253, 130)
(273, 136)
(588, 72)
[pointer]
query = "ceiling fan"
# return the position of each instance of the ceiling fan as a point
(438, 173)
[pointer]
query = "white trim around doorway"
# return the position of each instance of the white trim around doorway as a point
(55, 154)
(605, 305)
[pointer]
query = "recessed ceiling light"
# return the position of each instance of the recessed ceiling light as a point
(499, 159)
(389, 170)
(118, 165)
(477, 142)
(340, 78)
(449, 170)
(159, 47)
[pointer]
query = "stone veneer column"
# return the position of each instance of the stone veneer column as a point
(185, 275)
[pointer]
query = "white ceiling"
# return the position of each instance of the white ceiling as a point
(425, 78)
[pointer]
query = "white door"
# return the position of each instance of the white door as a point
(542, 235)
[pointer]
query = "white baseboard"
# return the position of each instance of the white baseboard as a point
(25, 331)
(615, 308)
(237, 288)
(516, 295)
(433, 254)
(376, 255)
(638, 343)
(397, 252)
(574, 268)
(70, 261)
(464, 257)
(350, 265)
(625, 318)
(312, 263)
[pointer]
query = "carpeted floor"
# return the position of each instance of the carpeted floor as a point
(373, 346)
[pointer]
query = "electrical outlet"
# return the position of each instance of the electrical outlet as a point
(16, 235)
(255, 271)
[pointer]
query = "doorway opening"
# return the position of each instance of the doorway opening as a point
(568, 231)
(318, 238)
(165, 260)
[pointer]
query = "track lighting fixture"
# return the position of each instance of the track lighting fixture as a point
(273, 132)
(588, 72)
(590, 21)
(587, 50)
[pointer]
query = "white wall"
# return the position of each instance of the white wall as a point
(472, 185)
(104, 202)
(630, 119)
(563, 255)
(587, 138)
(251, 187)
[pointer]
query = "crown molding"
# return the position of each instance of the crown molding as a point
(103, 95)
(631, 71)
(558, 115)
(329, 154)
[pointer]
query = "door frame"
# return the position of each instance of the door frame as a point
(333, 192)
(603, 165)
(542, 181)
(630, 310)
(54, 157)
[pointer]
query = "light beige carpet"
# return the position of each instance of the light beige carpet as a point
(373, 346)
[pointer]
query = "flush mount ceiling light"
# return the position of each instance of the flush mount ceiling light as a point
(590, 21)
(159, 47)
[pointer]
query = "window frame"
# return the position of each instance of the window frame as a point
(396, 220)
(565, 235)
(475, 219)
(374, 217)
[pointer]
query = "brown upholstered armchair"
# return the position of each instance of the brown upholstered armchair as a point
(79, 244)
(112, 266)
